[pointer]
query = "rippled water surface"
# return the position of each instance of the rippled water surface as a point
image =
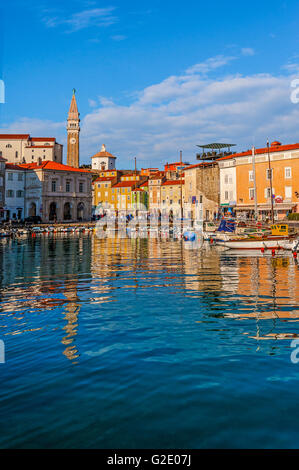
(121, 343)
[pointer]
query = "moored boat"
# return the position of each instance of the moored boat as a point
(278, 239)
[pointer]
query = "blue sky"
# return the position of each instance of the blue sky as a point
(152, 77)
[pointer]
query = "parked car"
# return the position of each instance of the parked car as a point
(35, 219)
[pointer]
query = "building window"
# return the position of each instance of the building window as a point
(17, 154)
(268, 173)
(53, 186)
(251, 193)
(268, 192)
(10, 176)
(81, 187)
(20, 177)
(250, 175)
(288, 192)
(226, 195)
(288, 172)
(67, 187)
(20, 193)
(8, 146)
(9, 193)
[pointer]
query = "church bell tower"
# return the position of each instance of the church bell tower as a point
(73, 131)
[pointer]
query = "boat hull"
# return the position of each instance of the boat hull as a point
(270, 243)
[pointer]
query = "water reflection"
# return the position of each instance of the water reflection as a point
(61, 274)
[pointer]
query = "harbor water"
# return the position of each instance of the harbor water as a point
(146, 343)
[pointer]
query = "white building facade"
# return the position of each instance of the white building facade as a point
(22, 148)
(228, 184)
(14, 208)
(103, 160)
(2, 187)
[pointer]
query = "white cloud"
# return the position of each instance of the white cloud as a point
(210, 64)
(99, 17)
(92, 103)
(182, 111)
(247, 51)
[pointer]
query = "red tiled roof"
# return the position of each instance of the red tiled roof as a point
(124, 184)
(11, 166)
(158, 175)
(49, 165)
(172, 182)
(144, 184)
(129, 174)
(14, 136)
(138, 189)
(273, 148)
(39, 146)
(104, 178)
(43, 139)
(103, 154)
(198, 165)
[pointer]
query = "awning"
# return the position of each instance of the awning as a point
(283, 206)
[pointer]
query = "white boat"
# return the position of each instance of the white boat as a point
(255, 243)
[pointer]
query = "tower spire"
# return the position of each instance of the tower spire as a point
(73, 131)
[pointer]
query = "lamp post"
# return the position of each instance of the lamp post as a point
(270, 175)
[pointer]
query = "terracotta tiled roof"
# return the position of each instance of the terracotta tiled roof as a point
(43, 139)
(144, 184)
(39, 146)
(11, 166)
(103, 153)
(138, 189)
(129, 174)
(158, 175)
(124, 184)
(273, 148)
(172, 182)
(14, 136)
(104, 178)
(49, 165)
(198, 165)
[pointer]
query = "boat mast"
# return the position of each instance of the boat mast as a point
(181, 184)
(254, 184)
(271, 189)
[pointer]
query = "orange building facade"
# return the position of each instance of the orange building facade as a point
(284, 164)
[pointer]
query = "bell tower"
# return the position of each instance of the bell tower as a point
(73, 131)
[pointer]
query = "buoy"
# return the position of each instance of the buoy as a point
(263, 250)
(211, 241)
(273, 252)
(295, 254)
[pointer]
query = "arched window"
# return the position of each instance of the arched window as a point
(67, 213)
(53, 211)
(80, 211)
